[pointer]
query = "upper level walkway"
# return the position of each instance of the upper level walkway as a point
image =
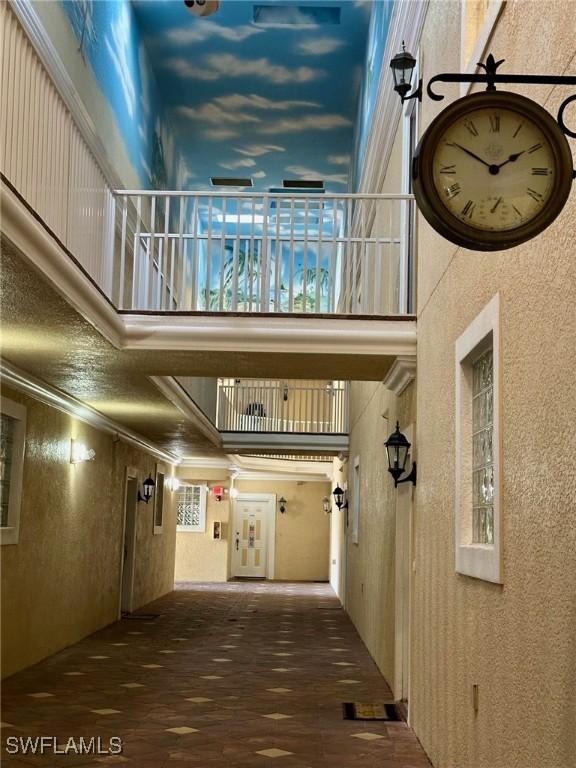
(228, 676)
(270, 274)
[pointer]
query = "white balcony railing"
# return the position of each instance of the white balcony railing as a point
(191, 251)
(271, 406)
(251, 252)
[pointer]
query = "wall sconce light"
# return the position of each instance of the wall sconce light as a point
(402, 66)
(172, 483)
(80, 452)
(340, 498)
(397, 447)
(326, 505)
(285, 393)
(234, 493)
(148, 485)
(282, 504)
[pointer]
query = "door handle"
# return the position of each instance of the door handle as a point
(237, 540)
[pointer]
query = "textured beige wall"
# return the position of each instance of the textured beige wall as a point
(198, 556)
(302, 532)
(62, 580)
(516, 641)
(370, 578)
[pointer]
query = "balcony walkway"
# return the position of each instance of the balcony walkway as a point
(240, 675)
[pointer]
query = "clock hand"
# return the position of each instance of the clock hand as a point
(496, 204)
(512, 158)
(468, 152)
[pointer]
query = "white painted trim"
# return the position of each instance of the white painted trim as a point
(270, 529)
(281, 477)
(178, 396)
(242, 441)
(401, 374)
(131, 474)
(50, 58)
(405, 25)
(41, 250)
(207, 462)
(484, 35)
(481, 561)
(355, 500)
(271, 334)
(39, 390)
(158, 529)
(301, 469)
(10, 534)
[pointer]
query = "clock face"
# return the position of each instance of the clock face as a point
(494, 169)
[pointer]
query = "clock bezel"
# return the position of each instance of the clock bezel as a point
(427, 196)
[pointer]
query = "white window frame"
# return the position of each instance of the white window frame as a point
(201, 527)
(484, 35)
(356, 500)
(482, 561)
(10, 534)
(159, 498)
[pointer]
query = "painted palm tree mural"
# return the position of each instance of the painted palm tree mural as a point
(240, 287)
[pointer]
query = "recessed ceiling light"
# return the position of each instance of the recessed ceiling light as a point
(227, 181)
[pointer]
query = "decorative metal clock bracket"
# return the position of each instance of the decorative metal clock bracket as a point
(491, 77)
(403, 64)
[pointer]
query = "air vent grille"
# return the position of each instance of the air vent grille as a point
(225, 181)
(303, 184)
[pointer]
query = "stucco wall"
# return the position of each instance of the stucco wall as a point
(198, 556)
(302, 532)
(61, 581)
(370, 579)
(516, 641)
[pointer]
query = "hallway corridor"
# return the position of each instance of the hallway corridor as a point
(237, 674)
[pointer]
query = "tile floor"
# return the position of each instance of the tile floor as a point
(235, 675)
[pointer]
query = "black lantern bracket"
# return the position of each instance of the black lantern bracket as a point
(491, 77)
(410, 478)
(148, 486)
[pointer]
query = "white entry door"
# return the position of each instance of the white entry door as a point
(250, 538)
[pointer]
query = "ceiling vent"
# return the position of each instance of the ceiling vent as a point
(225, 181)
(296, 15)
(316, 184)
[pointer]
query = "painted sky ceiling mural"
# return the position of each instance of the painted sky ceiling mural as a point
(268, 101)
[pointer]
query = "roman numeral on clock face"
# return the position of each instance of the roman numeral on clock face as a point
(534, 148)
(471, 127)
(453, 190)
(535, 195)
(540, 171)
(448, 170)
(494, 123)
(468, 209)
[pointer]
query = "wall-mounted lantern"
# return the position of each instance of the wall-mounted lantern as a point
(340, 498)
(397, 447)
(282, 503)
(326, 505)
(80, 452)
(148, 487)
(402, 66)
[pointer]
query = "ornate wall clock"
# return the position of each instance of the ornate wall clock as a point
(492, 171)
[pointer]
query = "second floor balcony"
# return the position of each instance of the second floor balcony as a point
(262, 253)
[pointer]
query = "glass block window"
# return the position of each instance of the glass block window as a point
(7, 434)
(482, 449)
(191, 508)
